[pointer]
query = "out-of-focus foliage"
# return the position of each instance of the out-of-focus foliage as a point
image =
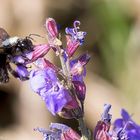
(113, 31)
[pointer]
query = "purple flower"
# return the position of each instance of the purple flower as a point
(49, 134)
(126, 128)
(78, 70)
(56, 98)
(74, 38)
(123, 128)
(72, 45)
(42, 79)
(45, 83)
(106, 117)
(101, 131)
(59, 132)
(75, 34)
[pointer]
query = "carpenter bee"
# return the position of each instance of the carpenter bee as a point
(9, 48)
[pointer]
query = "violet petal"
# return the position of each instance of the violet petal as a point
(56, 100)
(22, 71)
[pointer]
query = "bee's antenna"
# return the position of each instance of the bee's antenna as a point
(29, 37)
(36, 35)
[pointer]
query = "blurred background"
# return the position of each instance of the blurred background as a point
(113, 30)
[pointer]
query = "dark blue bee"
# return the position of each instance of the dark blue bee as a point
(11, 47)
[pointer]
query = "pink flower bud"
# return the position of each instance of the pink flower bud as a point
(73, 104)
(39, 51)
(80, 89)
(44, 63)
(70, 135)
(101, 131)
(51, 27)
(77, 68)
(72, 45)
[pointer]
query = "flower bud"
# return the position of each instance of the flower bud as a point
(80, 89)
(72, 46)
(101, 131)
(77, 69)
(51, 27)
(39, 51)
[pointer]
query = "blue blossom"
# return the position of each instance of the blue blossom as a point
(75, 34)
(74, 38)
(125, 128)
(106, 117)
(45, 83)
(58, 131)
(78, 69)
(49, 134)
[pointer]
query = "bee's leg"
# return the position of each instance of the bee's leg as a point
(16, 74)
(4, 78)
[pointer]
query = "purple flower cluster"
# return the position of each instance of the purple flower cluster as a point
(59, 132)
(45, 83)
(61, 88)
(123, 128)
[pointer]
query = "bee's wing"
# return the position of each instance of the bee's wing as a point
(3, 35)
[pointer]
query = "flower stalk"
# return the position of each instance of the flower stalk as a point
(66, 69)
(84, 130)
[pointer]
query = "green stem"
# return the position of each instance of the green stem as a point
(66, 71)
(83, 129)
(63, 64)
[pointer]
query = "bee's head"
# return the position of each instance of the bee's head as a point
(24, 45)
